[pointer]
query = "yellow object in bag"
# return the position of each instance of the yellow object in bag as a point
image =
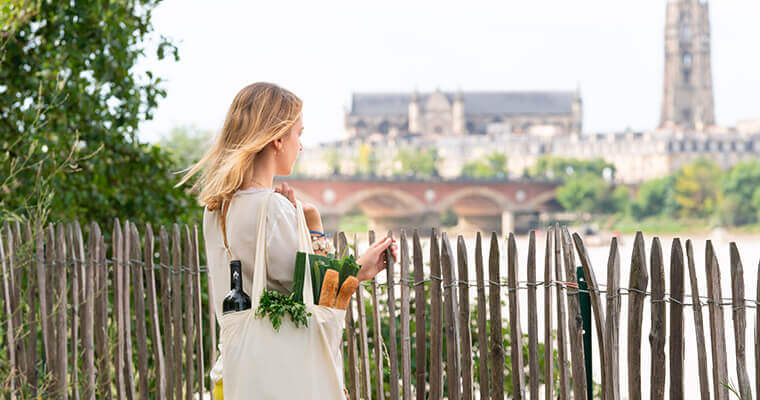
(218, 392)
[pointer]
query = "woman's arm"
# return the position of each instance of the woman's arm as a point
(371, 262)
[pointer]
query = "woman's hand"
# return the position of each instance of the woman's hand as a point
(288, 192)
(373, 260)
(313, 218)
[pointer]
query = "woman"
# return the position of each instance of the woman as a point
(260, 139)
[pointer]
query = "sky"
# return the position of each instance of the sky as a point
(325, 50)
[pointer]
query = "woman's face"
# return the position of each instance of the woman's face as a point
(291, 146)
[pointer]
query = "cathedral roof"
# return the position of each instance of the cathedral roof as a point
(498, 103)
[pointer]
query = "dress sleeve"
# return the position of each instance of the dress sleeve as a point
(281, 244)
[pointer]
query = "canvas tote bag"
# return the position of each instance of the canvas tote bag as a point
(292, 363)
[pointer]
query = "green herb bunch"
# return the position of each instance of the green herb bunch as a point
(275, 305)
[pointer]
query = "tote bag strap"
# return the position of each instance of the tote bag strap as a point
(259, 263)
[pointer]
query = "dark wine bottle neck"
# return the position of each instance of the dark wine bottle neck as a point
(236, 277)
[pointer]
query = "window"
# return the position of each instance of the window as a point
(686, 32)
(687, 60)
(686, 113)
(686, 76)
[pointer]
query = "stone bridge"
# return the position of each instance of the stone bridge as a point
(500, 206)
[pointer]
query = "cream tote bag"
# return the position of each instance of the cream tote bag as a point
(292, 363)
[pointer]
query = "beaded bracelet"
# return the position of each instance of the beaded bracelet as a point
(321, 245)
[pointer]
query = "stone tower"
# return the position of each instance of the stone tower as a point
(687, 101)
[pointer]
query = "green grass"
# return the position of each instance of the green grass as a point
(667, 225)
(354, 223)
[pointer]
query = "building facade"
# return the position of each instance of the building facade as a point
(443, 114)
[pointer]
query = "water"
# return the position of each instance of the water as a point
(749, 249)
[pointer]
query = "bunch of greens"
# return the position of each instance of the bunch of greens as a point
(275, 305)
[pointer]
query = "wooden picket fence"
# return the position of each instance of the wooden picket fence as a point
(76, 317)
(125, 320)
(469, 372)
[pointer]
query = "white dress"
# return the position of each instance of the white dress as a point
(281, 240)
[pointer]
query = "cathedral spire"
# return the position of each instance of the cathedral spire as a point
(687, 101)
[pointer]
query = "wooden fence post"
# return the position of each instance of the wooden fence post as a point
(377, 337)
(717, 327)
(392, 344)
(548, 330)
(189, 344)
(420, 350)
(637, 284)
(60, 310)
(564, 380)
(533, 375)
(436, 320)
(612, 324)
(464, 320)
(406, 349)
(575, 321)
(482, 319)
(494, 306)
(740, 322)
(659, 329)
(155, 328)
(676, 321)
(452, 334)
(515, 331)
(88, 334)
(167, 300)
(704, 384)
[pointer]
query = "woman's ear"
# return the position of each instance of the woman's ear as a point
(277, 143)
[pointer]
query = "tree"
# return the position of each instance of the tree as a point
(583, 193)
(696, 189)
(561, 168)
(654, 197)
(70, 110)
(417, 163)
(332, 158)
(185, 144)
(366, 161)
(740, 186)
(493, 166)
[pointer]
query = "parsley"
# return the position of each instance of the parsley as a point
(275, 305)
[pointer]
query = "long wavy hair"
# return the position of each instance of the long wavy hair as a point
(260, 113)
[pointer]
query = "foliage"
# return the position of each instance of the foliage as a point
(741, 191)
(696, 189)
(70, 109)
(366, 161)
(274, 305)
(592, 194)
(449, 218)
(185, 145)
(493, 166)
(332, 158)
(420, 164)
(654, 197)
(561, 168)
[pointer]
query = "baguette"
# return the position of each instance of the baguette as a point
(346, 291)
(329, 288)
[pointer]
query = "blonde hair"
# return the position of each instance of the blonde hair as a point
(260, 113)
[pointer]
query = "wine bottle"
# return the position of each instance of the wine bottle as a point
(236, 299)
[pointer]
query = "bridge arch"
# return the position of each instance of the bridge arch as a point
(501, 201)
(410, 203)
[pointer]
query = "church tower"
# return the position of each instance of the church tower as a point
(687, 101)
